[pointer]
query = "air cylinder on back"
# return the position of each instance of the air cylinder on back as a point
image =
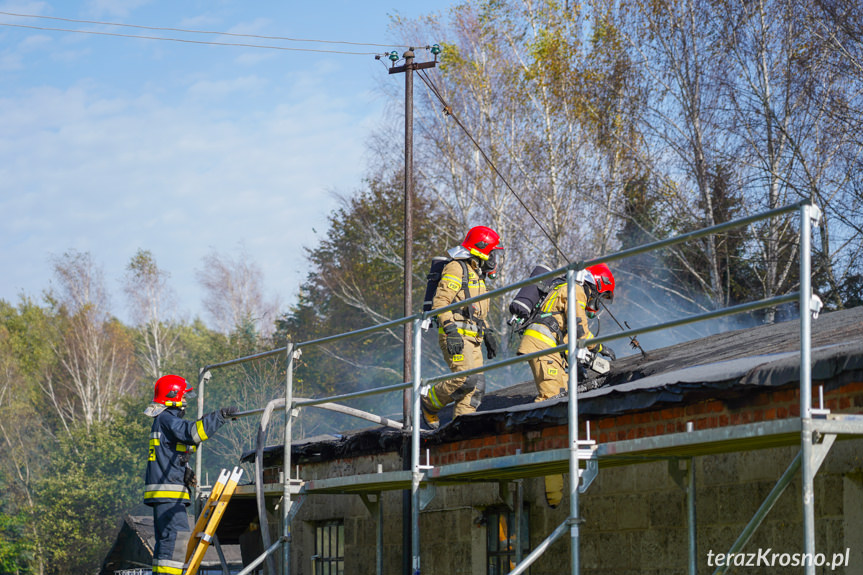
(529, 296)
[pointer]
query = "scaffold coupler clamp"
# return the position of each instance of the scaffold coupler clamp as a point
(584, 448)
(815, 214)
(815, 305)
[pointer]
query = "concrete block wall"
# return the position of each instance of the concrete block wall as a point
(634, 519)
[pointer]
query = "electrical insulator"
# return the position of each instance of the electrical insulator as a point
(394, 55)
(435, 49)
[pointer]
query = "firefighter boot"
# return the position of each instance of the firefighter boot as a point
(429, 417)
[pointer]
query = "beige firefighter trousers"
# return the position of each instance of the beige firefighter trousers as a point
(549, 374)
(462, 390)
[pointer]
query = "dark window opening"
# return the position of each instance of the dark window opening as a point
(501, 556)
(329, 557)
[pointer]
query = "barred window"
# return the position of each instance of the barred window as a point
(501, 539)
(329, 557)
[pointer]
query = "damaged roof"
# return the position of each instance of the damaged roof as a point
(724, 366)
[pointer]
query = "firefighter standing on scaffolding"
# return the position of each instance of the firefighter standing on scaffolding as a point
(169, 478)
(462, 332)
(548, 328)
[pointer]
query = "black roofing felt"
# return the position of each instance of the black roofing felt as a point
(725, 366)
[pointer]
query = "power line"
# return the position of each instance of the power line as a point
(185, 30)
(448, 111)
(183, 40)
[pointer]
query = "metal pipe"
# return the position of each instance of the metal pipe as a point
(259, 480)
(356, 394)
(260, 559)
(602, 339)
(203, 376)
(540, 549)
(286, 461)
(731, 224)
(806, 386)
(303, 402)
(245, 358)
(805, 383)
(222, 562)
(259, 449)
(416, 472)
(690, 514)
(572, 410)
(519, 512)
(740, 222)
(764, 509)
(690, 511)
(379, 548)
(741, 308)
(361, 331)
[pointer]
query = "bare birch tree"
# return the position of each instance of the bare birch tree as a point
(831, 54)
(234, 294)
(675, 46)
(93, 350)
(150, 300)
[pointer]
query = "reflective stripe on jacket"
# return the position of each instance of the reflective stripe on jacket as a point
(449, 291)
(538, 336)
(172, 440)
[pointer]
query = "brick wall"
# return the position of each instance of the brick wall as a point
(766, 405)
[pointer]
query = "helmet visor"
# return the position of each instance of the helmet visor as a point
(491, 266)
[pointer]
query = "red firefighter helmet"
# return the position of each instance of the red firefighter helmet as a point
(602, 280)
(480, 240)
(170, 391)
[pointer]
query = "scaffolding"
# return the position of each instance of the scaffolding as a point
(815, 430)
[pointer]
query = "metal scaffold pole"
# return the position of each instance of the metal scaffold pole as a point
(203, 376)
(286, 493)
(572, 330)
(416, 475)
(806, 387)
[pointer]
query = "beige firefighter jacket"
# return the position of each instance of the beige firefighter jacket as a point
(449, 291)
(538, 336)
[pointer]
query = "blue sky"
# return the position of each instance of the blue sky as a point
(111, 144)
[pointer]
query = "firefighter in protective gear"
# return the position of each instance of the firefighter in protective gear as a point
(548, 329)
(168, 478)
(462, 332)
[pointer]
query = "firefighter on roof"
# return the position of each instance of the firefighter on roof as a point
(462, 332)
(168, 477)
(547, 328)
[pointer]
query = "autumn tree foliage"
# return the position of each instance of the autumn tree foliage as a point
(713, 110)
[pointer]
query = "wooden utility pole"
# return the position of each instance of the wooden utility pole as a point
(408, 68)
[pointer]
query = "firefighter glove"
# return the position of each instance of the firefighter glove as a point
(189, 478)
(454, 341)
(229, 412)
(607, 352)
(490, 345)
